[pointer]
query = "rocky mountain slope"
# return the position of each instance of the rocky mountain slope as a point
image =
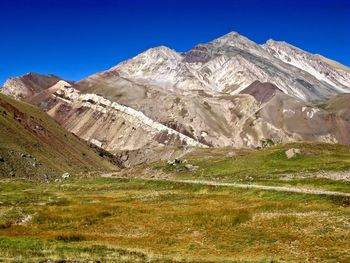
(28, 85)
(228, 92)
(323, 70)
(228, 65)
(339, 105)
(105, 123)
(34, 146)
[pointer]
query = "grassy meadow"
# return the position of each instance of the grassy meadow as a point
(269, 166)
(134, 220)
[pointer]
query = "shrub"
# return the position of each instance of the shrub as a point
(70, 237)
(267, 143)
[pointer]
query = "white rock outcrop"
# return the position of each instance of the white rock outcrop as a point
(291, 153)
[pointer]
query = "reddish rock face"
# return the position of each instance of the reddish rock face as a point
(262, 92)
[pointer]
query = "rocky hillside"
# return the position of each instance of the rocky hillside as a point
(228, 92)
(228, 65)
(34, 146)
(105, 123)
(28, 85)
(339, 105)
(336, 76)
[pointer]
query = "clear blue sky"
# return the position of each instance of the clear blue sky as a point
(75, 38)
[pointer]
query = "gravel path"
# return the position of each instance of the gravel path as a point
(253, 186)
(266, 187)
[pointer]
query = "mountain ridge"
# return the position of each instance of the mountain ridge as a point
(197, 69)
(227, 92)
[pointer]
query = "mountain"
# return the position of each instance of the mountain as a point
(107, 124)
(324, 70)
(333, 63)
(34, 146)
(28, 85)
(228, 92)
(228, 65)
(289, 119)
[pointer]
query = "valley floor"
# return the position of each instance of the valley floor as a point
(136, 220)
(282, 188)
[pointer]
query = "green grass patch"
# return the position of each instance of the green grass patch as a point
(268, 166)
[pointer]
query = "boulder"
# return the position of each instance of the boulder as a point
(65, 175)
(124, 158)
(175, 161)
(171, 162)
(191, 167)
(180, 168)
(2, 160)
(291, 153)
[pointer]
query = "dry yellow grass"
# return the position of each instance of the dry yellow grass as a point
(157, 221)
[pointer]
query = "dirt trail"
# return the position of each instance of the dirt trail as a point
(253, 186)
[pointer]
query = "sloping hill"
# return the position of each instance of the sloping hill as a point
(315, 166)
(28, 85)
(34, 146)
(339, 105)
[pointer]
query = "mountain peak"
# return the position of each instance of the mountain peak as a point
(163, 51)
(232, 38)
(235, 42)
(28, 84)
(231, 34)
(160, 53)
(282, 44)
(160, 48)
(35, 74)
(271, 41)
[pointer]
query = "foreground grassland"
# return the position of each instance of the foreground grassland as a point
(132, 220)
(268, 167)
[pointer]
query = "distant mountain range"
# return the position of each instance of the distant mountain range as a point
(228, 92)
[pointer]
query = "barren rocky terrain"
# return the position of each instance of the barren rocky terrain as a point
(228, 92)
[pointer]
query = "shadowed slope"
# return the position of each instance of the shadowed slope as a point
(262, 92)
(33, 145)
